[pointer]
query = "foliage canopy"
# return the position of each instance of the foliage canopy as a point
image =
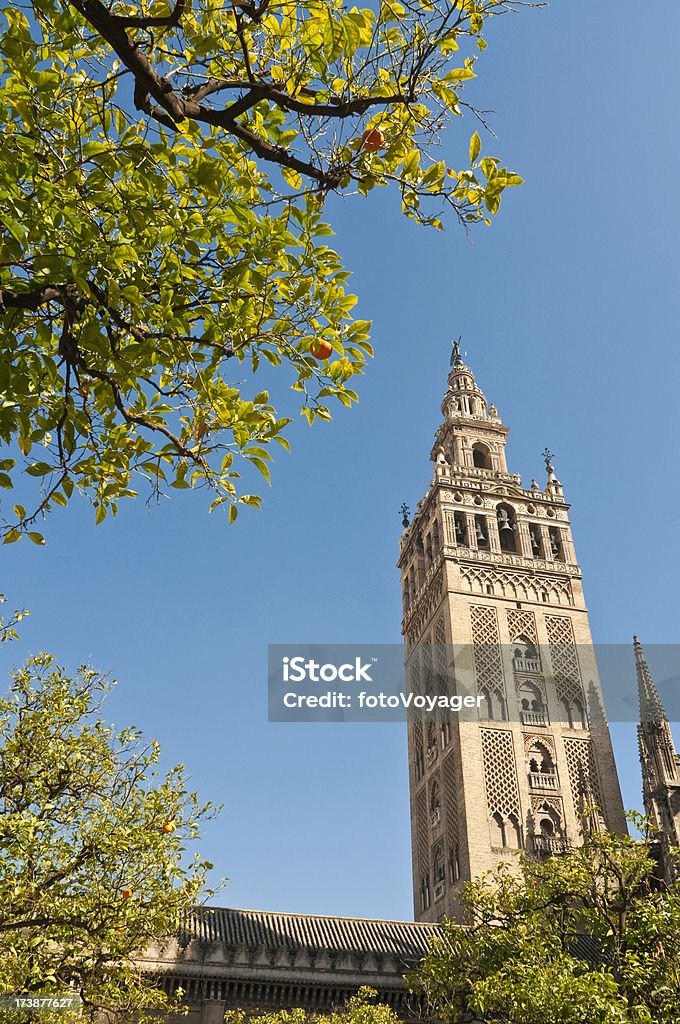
(163, 175)
(588, 937)
(93, 862)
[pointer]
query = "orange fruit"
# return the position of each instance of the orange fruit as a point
(321, 350)
(168, 828)
(126, 894)
(373, 140)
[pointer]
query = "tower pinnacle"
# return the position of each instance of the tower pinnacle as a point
(651, 708)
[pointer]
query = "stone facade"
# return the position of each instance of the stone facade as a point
(493, 593)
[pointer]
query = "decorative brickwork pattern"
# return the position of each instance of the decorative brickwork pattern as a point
(521, 623)
(500, 774)
(414, 672)
(581, 767)
(450, 800)
(538, 803)
(486, 640)
(442, 659)
(428, 674)
(424, 604)
(563, 657)
(422, 840)
(418, 759)
(521, 586)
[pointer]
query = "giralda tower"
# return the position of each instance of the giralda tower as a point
(488, 567)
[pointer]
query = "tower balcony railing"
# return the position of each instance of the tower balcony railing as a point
(435, 817)
(550, 844)
(530, 665)
(543, 780)
(534, 718)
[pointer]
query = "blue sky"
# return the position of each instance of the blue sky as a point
(568, 309)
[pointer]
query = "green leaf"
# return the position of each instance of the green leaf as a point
(37, 538)
(475, 147)
(38, 469)
(293, 177)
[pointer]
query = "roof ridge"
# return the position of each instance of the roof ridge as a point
(322, 917)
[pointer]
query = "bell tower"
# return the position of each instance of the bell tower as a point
(490, 579)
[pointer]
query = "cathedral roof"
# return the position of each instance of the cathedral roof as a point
(269, 929)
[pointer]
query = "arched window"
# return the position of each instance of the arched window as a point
(435, 802)
(556, 545)
(574, 714)
(493, 706)
(507, 527)
(425, 891)
(513, 833)
(536, 541)
(506, 833)
(481, 457)
(439, 867)
(549, 834)
(541, 767)
(428, 551)
(460, 527)
(482, 532)
(454, 864)
(531, 704)
(497, 826)
(524, 649)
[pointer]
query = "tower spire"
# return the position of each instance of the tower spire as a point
(651, 708)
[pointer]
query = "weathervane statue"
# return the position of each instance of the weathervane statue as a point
(455, 353)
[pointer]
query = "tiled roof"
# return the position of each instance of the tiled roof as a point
(271, 930)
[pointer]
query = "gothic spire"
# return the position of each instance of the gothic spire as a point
(651, 708)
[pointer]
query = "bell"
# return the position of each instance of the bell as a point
(481, 536)
(503, 520)
(555, 545)
(535, 543)
(459, 530)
